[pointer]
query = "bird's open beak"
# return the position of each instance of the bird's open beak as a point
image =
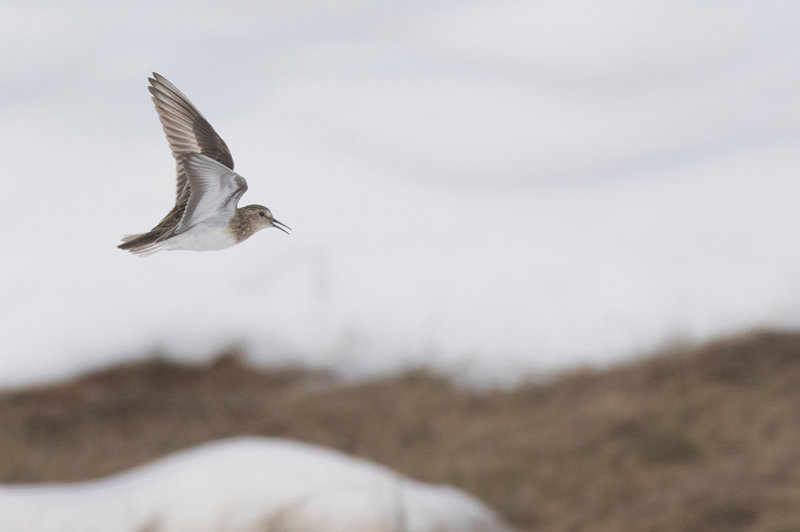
(282, 226)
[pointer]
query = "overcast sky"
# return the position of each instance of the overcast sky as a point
(493, 188)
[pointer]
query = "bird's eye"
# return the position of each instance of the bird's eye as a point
(262, 214)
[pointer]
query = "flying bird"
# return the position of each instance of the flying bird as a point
(205, 216)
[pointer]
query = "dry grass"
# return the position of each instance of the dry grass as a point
(703, 439)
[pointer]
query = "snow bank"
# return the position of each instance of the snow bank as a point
(244, 485)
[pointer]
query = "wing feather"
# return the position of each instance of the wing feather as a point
(186, 129)
(214, 190)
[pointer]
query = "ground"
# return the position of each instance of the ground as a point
(692, 439)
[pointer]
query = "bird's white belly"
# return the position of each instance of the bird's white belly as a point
(202, 237)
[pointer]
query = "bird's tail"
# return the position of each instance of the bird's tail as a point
(128, 238)
(142, 244)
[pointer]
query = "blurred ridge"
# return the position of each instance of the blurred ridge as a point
(701, 438)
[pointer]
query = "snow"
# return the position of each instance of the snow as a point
(244, 485)
(492, 189)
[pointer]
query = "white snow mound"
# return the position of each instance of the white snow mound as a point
(247, 485)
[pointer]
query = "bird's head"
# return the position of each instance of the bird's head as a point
(260, 217)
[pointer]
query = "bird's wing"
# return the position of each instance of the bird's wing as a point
(186, 129)
(214, 190)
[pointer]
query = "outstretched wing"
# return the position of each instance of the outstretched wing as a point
(214, 190)
(186, 129)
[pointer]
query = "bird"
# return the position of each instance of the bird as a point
(206, 215)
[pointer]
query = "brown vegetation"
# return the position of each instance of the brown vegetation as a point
(704, 439)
